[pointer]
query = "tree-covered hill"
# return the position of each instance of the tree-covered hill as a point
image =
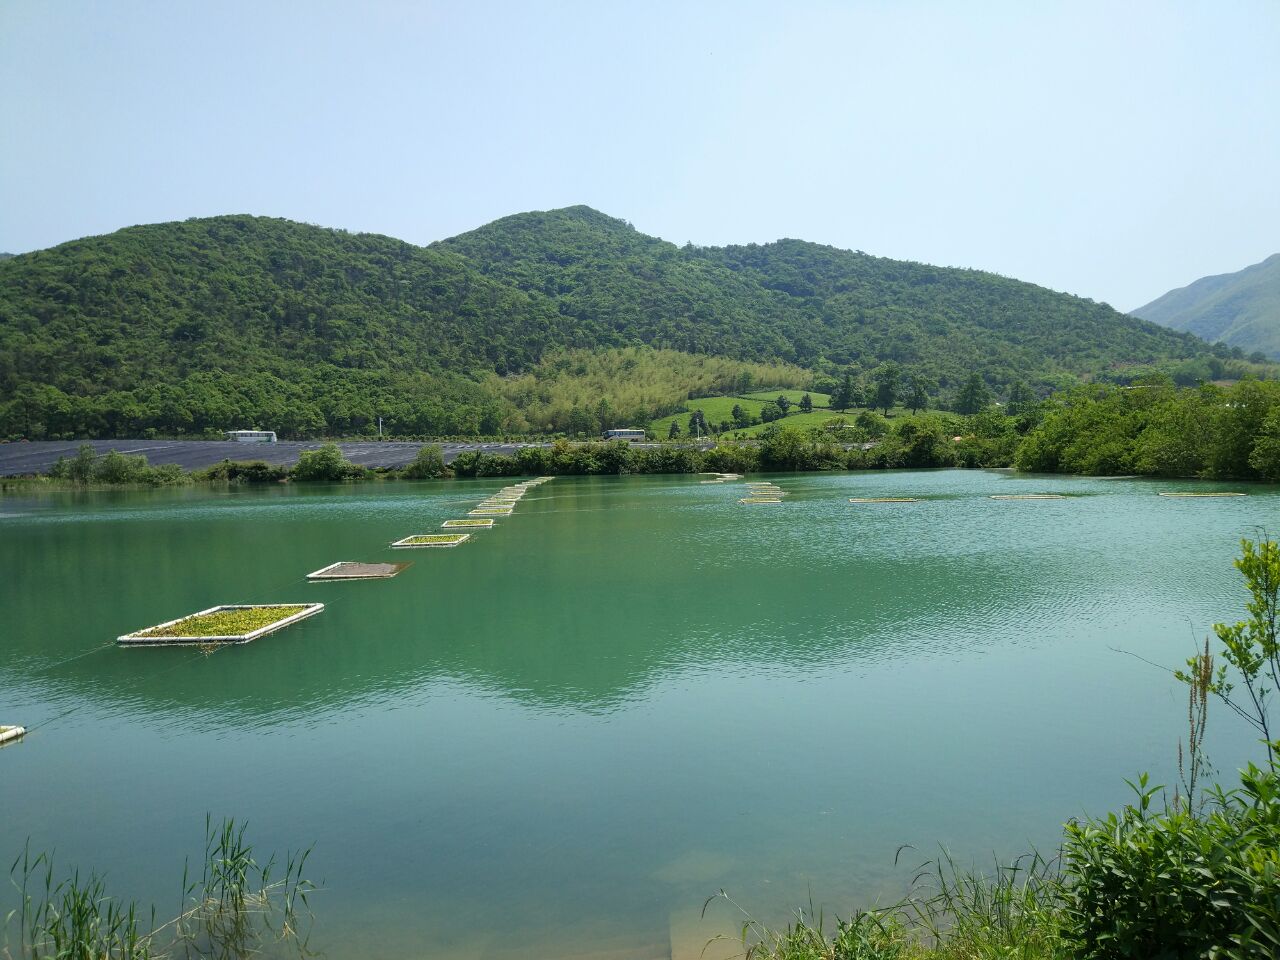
(190, 327)
(1240, 309)
(810, 304)
(183, 326)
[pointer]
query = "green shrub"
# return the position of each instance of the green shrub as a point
(427, 465)
(1171, 884)
(114, 469)
(237, 471)
(327, 463)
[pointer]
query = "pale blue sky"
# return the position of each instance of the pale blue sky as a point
(1114, 150)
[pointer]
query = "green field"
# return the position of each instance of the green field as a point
(819, 399)
(714, 409)
(805, 421)
(717, 409)
(802, 421)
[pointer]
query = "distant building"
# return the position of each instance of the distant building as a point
(252, 436)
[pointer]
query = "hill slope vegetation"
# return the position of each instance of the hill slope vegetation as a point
(192, 327)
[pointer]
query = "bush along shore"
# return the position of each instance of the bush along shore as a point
(1149, 428)
(1192, 875)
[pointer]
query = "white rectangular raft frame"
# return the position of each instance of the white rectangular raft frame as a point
(356, 570)
(456, 539)
(136, 639)
(8, 734)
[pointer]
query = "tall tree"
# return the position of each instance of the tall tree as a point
(806, 404)
(842, 396)
(918, 395)
(887, 380)
(1021, 399)
(698, 424)
(974, 395)
(674, 431)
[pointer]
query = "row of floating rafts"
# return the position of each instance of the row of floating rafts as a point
(721, 477)
(501, 504)
(243, 622)
(763, 491)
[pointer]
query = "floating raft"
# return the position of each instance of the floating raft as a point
(1201, 494)
(433, 540)
(490, 512)
(355, 570)
(476, 524)
(11, 733)
(215, 625)
(759, 500)
(1028, 496)
(884, 499)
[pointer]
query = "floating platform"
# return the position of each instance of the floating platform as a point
(759, 500)
(476, 524)
(1201, 495)
(884, 499)
(490, 512)
(433, 540)
(227, 623)
(1028, 496)
(355, 570)
(10, 733)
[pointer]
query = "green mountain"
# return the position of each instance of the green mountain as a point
(809, 304)
(1239, 309)
(192, 327)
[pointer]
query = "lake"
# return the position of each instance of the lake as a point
(561, 737)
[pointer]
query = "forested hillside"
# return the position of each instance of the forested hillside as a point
(187, 328)
(812, 305)
(1239, 309)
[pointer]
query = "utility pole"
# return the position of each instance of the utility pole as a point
(379, 428)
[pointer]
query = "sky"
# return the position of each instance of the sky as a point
(1111, 150)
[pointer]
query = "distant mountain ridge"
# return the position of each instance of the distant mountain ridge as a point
(189, 326)
(1240, 309)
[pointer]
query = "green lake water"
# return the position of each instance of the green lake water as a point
(563, 736)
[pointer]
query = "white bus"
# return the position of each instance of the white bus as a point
(630, 434)
(252, 436)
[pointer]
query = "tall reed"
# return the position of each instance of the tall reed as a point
(232, 910)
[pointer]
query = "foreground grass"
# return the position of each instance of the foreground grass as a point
(232, 908)
(1015, 913)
